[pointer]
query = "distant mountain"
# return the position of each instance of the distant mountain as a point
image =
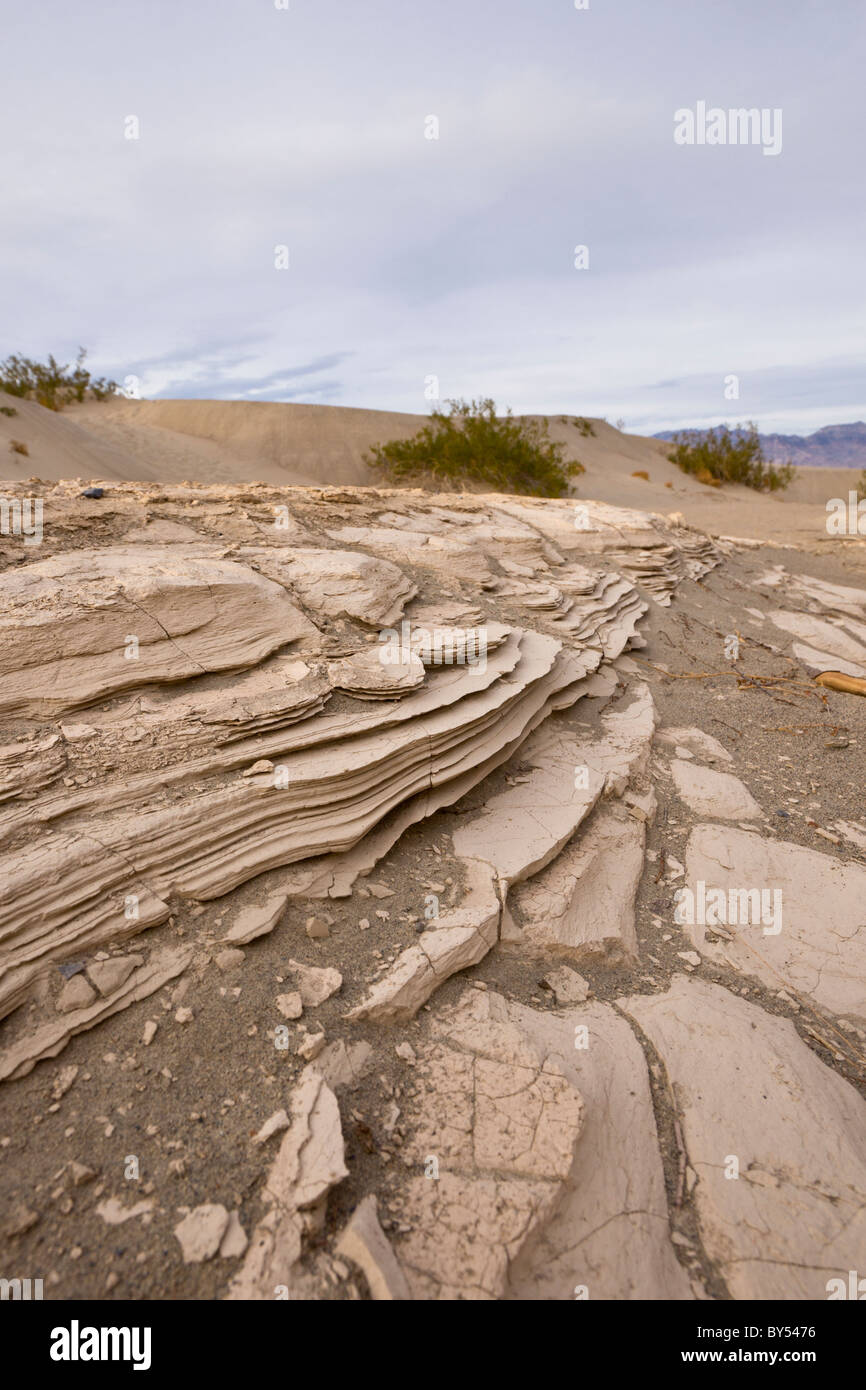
(835, 446)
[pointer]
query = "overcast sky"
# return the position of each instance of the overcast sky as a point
(454, 258)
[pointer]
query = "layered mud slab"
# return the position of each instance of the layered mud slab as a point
(431, 897)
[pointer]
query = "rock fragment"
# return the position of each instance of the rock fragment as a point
(317, 928)
(461, 938)
(262, 765)
(20, 1220)
(310, 1161)
(695, 741)
(77, 993)
(583, 904)
(114, 1213)
(315, 983)
(777, 1140)
(311, 1045)
(502, 1119)
(79, 1173)
(341, 1065)
(253, 922)
(109, 975)
(201, 1232)
(290, 1005)
(567, 986)
(63, 1080)
(277, 1122)
(716, 794)
(795, 914)
(229, 959)
(364, 1243)
(234, 1241)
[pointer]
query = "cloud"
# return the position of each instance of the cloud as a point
(452, 257)
(213, 373)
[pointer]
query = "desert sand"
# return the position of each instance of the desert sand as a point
(239, 441)
(423, 896)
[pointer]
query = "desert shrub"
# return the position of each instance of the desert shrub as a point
(586, 427)
(641, 473)
(861, 486)
(51, 383)
(472, 444)
(18, 447)
(723, 455)
(8, 410)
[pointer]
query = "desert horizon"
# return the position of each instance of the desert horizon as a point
(299, 443)
(432, 675)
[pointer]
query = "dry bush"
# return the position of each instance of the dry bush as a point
(723, 455)
(52, 384)
(472, 444)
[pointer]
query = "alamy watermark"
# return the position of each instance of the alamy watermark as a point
(77, 1343)
(717, 907)
(737, 126)
(856, 1288)
(846, 518)
(20, 1290)
(22, 516)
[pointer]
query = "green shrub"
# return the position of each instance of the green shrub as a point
(471, 444)
(8, 410)
(586, 427)
(52, 384)
(723, 455)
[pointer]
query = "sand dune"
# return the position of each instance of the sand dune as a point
(58, 446)
(262, 441)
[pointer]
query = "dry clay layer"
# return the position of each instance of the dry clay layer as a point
(67, 893)
(87, 624)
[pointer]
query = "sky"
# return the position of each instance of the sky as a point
(367, 204)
